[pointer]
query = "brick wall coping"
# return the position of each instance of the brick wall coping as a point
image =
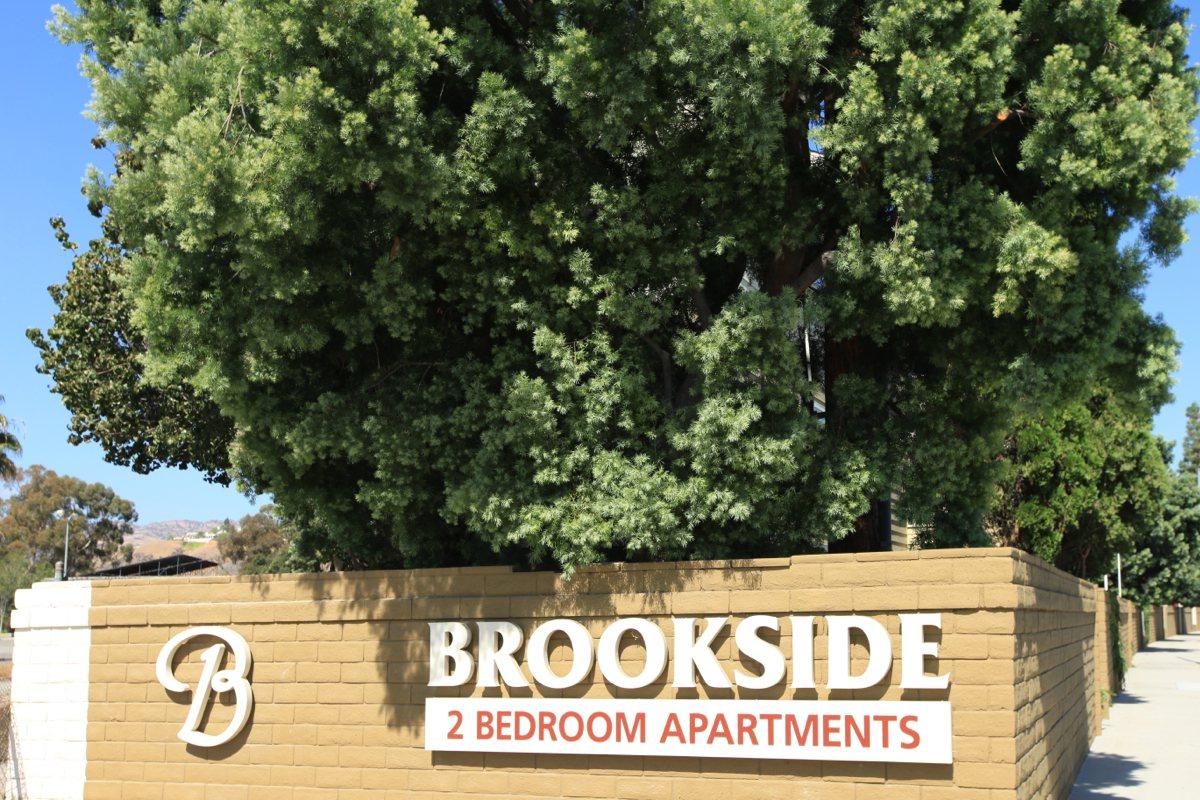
(998, 579)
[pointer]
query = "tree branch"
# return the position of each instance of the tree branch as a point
(702, 308)
(520, 12)
(496, 22)
(684, 396)
(813, 272)
(1001, 118)
(665, 359)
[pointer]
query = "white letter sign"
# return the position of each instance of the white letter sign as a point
(212, 680)
(449, 640)
(912, 731)
(879, 652)
(787, 723)
(913, 650)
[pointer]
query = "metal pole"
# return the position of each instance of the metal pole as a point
(1106, 583)
(14, 764)
(66, 546)
(1120, 587)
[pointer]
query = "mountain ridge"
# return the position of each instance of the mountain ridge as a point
(171, 529)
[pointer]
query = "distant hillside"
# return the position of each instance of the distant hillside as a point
(170, 529)
(161, 548)
(161, 539)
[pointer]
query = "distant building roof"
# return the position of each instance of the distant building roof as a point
(171, 565)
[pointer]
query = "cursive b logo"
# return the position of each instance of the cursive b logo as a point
(212, 680)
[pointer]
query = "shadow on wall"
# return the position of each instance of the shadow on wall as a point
(374, 626)
(1108, 776)
(1059, 713)
(1056, 681)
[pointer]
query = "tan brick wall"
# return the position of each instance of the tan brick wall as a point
(1156, 630)
(1171, 621)
(1107, 681)
(1055, 677)
(340, 667)
(1131, 630)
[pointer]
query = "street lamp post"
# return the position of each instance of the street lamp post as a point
(63, 513)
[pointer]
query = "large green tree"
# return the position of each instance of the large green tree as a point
(30, 523)
(629, 279)
(1081, 485)
(94, 353)
(258, 543)
(1166, 565)
(1086, 480)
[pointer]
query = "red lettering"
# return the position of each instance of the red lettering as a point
(697, 723)
(525, 733)
(503, 724)
(830, 730)
(914, 738)
(771, 719)
(746, 723)
(631, 733)
(483, 725)
(591, 727)
(863, 734)
(457, 717)
(672, 729)
(793, 734)
(720, 729)
(546, 726)
(562, 726)
(886, 721)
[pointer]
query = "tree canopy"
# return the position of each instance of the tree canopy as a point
(93, 351)
(1081, 485)
(99, 520)
(1166, 566)
(585, 280)
(1189, 462)
(257, 543)
(17, 572)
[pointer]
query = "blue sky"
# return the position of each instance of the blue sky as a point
(44, 147)
(1174, 292)
(44, 150)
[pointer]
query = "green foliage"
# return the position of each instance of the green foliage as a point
(1081, 485)
(1088, 480)
(9, 447)
(18, 571)
(99, 520)
(1166, 567)
(1117, 653)
(1189, 463)
(93, 353)
(258, 543)
(470, 279)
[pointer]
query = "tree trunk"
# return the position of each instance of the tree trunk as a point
(873, 530)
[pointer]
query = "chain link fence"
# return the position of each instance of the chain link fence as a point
(10, 777)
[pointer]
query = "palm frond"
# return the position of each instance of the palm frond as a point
(8, 445)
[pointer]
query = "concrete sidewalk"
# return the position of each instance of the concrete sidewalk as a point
(1150, 747)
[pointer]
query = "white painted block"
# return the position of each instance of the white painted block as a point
(51, 654)
(59, 617)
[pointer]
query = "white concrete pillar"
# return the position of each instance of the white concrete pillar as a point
(51, 653)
